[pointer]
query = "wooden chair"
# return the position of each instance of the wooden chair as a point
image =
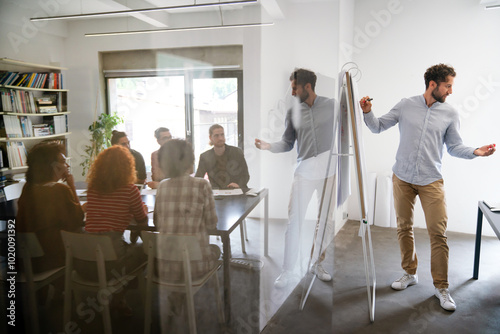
(99, 249)
(29, 247)
(184, 248)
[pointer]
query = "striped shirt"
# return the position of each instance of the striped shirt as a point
(185, 205)
(114, 211)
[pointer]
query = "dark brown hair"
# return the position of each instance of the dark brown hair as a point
(42, 159)
(214, 127)
(438, 73)
(303, 77)
(116, 135)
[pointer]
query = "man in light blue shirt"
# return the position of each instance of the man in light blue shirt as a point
(310, 125)
(426, 124)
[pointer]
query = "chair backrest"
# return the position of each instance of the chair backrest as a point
(83, 245)
(169, 246)
(29, 245)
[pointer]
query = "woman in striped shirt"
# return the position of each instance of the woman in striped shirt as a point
(113, 202)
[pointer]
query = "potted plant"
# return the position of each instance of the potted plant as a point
(100, 131)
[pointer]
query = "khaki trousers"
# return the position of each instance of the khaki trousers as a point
(433, 202)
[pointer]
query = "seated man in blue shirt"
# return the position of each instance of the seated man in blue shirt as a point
(426, 124)
(225, 165)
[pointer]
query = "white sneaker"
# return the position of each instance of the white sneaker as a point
(404, 281)
(445, 299)
(283, 279)
(321, 273)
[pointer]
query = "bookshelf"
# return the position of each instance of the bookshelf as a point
(33, 108)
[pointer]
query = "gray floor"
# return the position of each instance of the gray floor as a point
(339, 306)
(344, 308)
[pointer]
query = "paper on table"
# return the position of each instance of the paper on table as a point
(494, 206)
(81, 192)
(252, 192)
(228, 192)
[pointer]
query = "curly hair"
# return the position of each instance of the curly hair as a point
(303, 77)
(113, 168)
(438, 73)
(176, 157)
(41, 160)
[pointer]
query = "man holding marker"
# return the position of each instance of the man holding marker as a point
(426, 124)
(310, 125)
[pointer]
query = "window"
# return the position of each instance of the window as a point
(187, 103)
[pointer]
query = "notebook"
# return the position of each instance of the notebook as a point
(493, 206)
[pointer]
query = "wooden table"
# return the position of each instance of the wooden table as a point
(494, 220)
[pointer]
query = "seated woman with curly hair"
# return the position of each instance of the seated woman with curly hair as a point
(112, 201)
(46, 206)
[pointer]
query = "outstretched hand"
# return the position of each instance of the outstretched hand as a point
(485, 150)
(262, 145)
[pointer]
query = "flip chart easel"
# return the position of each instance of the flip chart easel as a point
(348, 96)
(364, 224)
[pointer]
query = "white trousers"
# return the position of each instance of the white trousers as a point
(300, 197)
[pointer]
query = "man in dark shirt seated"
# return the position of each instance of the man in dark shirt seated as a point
(121, 138)
(225, 165)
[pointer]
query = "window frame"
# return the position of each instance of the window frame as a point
(189, 76)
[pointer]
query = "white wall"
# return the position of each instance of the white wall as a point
(308, 38)
(393, 50)
(21, 39)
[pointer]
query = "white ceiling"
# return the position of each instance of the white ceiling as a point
(268, 9)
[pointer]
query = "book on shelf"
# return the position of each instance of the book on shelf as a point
(51, 80)
(26, 126)
(47, 109)
(40, 130)
(493, 206)
(10, 78)
(60, 124)
(47, 99)
(44, 100)
(11, 127)
(16, 152)
(20, 78)
(17, 101)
